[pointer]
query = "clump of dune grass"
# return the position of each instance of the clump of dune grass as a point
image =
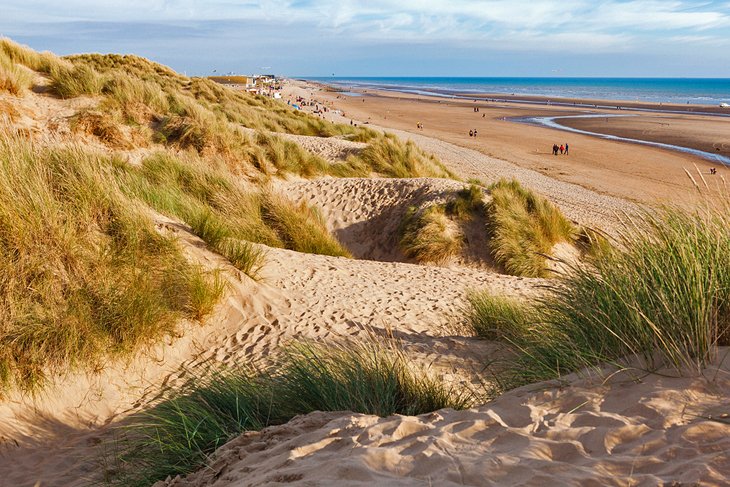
(70, 82)
(72, 247)
(387, 156)
(14, 78)
(659, 299)
(178, 435)
(19, 54)
(523, 228)
(299, 227)
(468, 201)
(289, 157)
(102, 126)
(222, 213)
(220, 237)
(428, 235)
(500, 317)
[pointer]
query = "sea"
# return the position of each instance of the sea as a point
(696, 91)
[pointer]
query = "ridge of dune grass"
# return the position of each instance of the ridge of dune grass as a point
(523, 228)
(223, 213)
(388, 156)
(201, 115)
(18, 54)
(179, 434)
(661, 297)
(83, 272)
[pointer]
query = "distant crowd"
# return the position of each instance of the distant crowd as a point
(563, 149)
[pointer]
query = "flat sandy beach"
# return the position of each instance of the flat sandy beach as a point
(625, 170)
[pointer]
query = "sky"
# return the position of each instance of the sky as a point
(654, 38)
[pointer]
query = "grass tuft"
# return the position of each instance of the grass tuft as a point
(659, 299)
(499, 317)
(524, 227)
(429, 235)
(70, 82)
(14, 78)
(467, 202)
(389, 157)
(177, 436)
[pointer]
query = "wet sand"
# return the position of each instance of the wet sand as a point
(622, 169)
(707, 134)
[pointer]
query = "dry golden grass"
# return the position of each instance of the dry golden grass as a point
(103, 127)
(72, 247)
(14, 78)
(428, 235)
(523, 228)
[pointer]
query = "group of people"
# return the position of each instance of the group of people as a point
(563, 149)
(473, 133)
(419, 126)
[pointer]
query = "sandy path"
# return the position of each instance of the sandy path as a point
(629, 433)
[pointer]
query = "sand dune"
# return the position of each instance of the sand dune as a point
(650, 430)
(55, 437)
(365, 213)
(578, 432)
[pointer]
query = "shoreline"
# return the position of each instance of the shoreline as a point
(540, 100)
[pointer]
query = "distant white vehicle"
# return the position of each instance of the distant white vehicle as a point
(724, 105)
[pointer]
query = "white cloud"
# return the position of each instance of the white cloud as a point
(520, 24)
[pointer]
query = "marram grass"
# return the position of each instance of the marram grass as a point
(523, 228)
(72, 247)
(659, 298)
(178, 435)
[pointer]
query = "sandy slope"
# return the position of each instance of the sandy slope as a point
(55, 437)
(651, 431)
(365, 213)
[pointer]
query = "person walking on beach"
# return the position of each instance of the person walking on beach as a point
(566, 148)
(475, 132)
(471, 133)
(555, 149)
(562, 148)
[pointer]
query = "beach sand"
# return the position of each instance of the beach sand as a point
(625, 170)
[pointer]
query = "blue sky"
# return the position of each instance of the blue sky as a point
(390, 37)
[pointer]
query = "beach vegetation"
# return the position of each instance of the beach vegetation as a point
(429, 235)
(468, 201)
(660, 298)
(523, 227)
(227, 216)
(178, 435)
(73, 245)
(389, 157)
(14, 78)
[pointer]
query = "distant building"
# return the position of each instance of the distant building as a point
(261, 84)
(235, 82)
